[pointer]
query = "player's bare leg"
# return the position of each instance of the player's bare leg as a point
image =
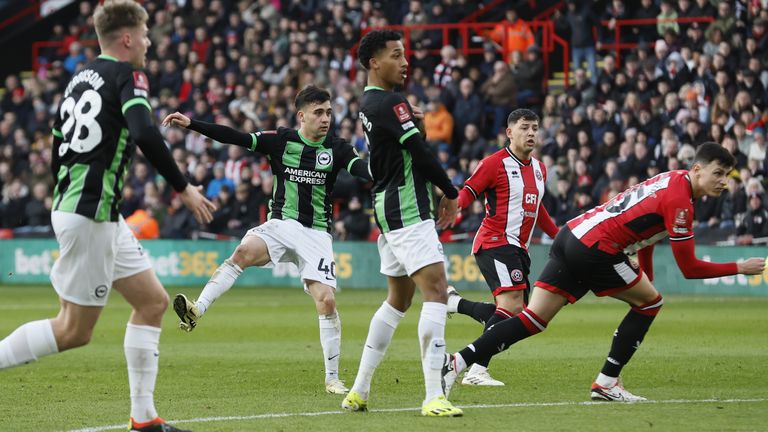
(252, 251)
(71, 328)
(330, 333)
(645, 302)
(433, 285)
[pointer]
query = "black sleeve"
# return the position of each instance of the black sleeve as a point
(58, 137)
(360, 168)
(151, 143)
(398, 120)
(223, 134)
(350, 160)
(428, 165)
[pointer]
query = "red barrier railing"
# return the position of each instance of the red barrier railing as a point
(617, 45)
(481, 11)
(544, 30)
(37, 46)
(32, 9)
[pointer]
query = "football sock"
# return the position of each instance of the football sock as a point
(383, 325)
(432, 340)
(142, 356)
(28, 343)
(221, 281)
(629, 335)
(503, 335)
(480, 311)
(330, 339)
(499, 315)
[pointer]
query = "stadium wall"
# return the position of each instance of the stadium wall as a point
(189, 262)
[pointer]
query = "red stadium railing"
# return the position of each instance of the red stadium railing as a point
(618, 45)
(465, 34)
(32, 9)
(481, 11)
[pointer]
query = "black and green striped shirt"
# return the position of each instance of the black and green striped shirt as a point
(92, 147)
(304, 171)
(402, 194)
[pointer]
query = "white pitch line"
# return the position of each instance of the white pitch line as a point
(387, 410)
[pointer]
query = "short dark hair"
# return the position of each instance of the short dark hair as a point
(712, 151)
(374, 42)
(521, 113)
(309, 95)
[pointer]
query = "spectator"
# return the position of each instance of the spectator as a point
(353, 225)
(579, 22)
(246, 210)
(438, 123)
(513, 34)
(667, 19)
(500, 92)
(474, 145)
(143, 225)
(755, 223)
(528, 78)
(219, 180)
(467, 109)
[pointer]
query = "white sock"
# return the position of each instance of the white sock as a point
(383, 325)
(330, 339)
(605, 380)
(28, 343)
(142, 357)
(459, 363)
(432, 341)
(221, 281)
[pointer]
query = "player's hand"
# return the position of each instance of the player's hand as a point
(417, 112)
(176, 119)
(751, 266)
(446, 212)
(197, 203)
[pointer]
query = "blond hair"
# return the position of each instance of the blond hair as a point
(113, 16)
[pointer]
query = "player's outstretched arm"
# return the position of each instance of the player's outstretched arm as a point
(694, 268)
(359, 168)
(222, 134)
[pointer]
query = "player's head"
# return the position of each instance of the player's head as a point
(121, 26)
(313, 108)
(381, 52)
(522, 126)
(709, 173)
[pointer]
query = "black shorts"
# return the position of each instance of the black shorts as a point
(573, 269)
(505, 268)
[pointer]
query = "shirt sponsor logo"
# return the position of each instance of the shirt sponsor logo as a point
(408, 125)
(140, 80)
(402, 113)
(530, 198)
(305, 176)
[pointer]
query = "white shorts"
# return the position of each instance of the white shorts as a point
(406, 250)
(310, 249)
(91, 256)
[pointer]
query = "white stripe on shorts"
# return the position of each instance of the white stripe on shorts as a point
(625, 271)
(501, 271)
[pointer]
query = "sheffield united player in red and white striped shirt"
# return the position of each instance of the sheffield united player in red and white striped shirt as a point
(589, 254)
(513, 184)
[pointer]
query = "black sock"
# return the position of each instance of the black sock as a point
(480, 311)
(493, 320)
(629, 335)
(503, 335)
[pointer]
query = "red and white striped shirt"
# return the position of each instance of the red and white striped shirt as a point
(513, 192)
(634, 220)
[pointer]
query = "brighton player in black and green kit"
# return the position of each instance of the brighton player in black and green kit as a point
(103, 116)
(403, 171)
(305, 163)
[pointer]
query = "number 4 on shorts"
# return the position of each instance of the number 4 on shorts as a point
(328, 269)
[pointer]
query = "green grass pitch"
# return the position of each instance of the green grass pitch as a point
(254, 363)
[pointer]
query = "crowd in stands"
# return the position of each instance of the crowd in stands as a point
(240, 63)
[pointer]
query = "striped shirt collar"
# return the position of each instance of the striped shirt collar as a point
(517, 159)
